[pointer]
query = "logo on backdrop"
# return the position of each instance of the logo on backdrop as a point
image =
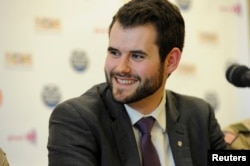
(184, 4)
(1, 97)
(31, 137)
(79, 60)
(208, 37)
(187, 69)
(232, 8)
(18, 59)
(212, 98)
(51, 95)
(47, 24)
(100, 30)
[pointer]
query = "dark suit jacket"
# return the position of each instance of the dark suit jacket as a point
(94, 130)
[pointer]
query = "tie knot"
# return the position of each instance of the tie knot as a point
(145, 124)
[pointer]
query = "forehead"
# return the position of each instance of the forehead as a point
(136, 36)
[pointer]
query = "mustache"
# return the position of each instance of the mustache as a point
(116, 74)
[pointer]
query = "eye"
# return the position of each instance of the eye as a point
(138, 56)
(114, 52)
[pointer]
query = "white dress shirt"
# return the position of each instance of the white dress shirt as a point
(159, 134)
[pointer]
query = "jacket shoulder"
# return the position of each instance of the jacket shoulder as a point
(90, 102)
(187, 101)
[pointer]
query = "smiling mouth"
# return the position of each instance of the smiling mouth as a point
(125, 81)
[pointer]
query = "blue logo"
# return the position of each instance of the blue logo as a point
(79, 60)
(51, 95)
(212, 99)
(184, 4)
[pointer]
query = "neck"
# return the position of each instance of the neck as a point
(148, 104)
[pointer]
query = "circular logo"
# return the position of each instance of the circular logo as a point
(212, 98)
(79, 60)
(51, 95)
(184, 4)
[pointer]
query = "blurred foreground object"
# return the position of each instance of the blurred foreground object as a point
(237, 135)
(3, 158)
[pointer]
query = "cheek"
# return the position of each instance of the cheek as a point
(109, 64)
(147, 69)
(143, 73)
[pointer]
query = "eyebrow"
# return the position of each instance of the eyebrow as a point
(133, 51)
(112, 49)
(139, 52)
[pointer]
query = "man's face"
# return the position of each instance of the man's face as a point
(132, 68)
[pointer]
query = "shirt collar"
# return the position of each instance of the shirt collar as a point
(159, 114)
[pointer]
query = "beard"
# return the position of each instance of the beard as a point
(146, 88)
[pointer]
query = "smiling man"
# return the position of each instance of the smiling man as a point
(132, 120)
(133, 67)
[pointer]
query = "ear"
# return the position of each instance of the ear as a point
(172, 60)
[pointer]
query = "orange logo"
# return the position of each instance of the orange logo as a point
(47, 24)
(18, 59)
(208, 37)
(187, 69)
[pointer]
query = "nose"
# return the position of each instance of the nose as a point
(123, 65)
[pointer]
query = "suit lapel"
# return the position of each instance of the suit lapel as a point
(125, 140)
(123, 134)
(126, 144)
(178, 134)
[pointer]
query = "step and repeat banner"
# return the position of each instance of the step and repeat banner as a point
(54, 50)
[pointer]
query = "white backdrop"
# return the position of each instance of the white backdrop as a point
(54, 50)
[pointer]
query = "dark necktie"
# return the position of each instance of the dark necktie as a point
(149, 153)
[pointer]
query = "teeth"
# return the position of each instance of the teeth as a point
(127, 82)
